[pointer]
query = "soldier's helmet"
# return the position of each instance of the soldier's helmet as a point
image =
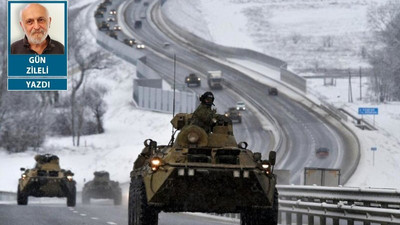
(207, 98)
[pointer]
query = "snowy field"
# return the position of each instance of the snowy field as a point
(237, 23)
(308, 35)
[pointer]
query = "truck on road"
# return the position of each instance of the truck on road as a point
(214, 79)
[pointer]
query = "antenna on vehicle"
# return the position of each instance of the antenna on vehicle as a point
(173, 104)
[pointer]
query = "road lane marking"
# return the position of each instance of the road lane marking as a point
(82, 214)
(111, 223)
(94, 218)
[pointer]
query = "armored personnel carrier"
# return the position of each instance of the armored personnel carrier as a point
(203, 172)
(101, 187)
(46, 179)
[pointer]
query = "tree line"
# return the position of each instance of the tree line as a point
(385, 56)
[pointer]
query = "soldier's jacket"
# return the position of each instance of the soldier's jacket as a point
(203, 117)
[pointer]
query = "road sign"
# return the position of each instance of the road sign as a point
(374, 148)
(368, 111)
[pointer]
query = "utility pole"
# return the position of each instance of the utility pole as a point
(360, 84)
(173, 103)
(350, 96)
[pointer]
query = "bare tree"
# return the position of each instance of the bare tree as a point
(24, 122)
(385, 20)
(96, 104)
(86, 60)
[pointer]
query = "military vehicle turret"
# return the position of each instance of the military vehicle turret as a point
(203, 172)
(46, 179)
(101, 187)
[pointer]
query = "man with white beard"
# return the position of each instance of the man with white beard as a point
(35, 22)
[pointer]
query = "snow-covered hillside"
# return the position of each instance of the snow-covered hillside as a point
(306, 34)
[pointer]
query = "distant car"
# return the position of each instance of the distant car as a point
(273, 91)
(240, 106)
(131, 42)
(234, 115)
(111, 19)
(98, 14)
(112, 34)
(140, 45)
(138, 24)
(113, 12)
(166, 44)
(322, 152)
(102, 8)
(107, 2)
(117, 28)
(104, 26)
(193, 79)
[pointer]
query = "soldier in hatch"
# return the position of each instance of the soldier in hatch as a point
(204, 116)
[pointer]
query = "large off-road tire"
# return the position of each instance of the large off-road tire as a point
(261, 216)
(139, 212)
(272, 214)
(85, 198)
(71, 196)
(22, 198)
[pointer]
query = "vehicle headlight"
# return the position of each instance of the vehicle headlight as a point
(193, 137)
(265, 165)
(155, 163)
(23, 176)
(198, 79)
(70, 177)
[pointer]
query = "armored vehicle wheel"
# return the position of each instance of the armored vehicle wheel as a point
(272, 214)
(71, 196)
(85, 199)
(22, 198)
(139, 213)
(261, 216)
(117, 199)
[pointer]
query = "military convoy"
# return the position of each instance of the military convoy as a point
(198, 172)
(101, 187)
(46, 179)
(202, 172)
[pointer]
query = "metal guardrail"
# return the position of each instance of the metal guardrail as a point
(8, 196)
(307, 203)
(366, 205)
